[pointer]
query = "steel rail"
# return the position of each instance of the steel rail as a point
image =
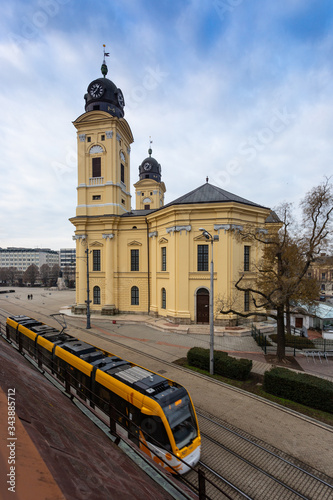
(225, 480)
(265, 450)
(284, 485)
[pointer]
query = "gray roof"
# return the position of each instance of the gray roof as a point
(319, 310)
(136, 213)
(207, 193)
(273, 218)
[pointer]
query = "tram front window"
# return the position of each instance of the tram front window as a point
(182, 422)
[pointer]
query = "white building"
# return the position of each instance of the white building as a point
(318, 315)
(67, 257)
(22, 258)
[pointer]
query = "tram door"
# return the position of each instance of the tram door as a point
(202, 305)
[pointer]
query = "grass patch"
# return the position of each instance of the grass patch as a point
(254, 386)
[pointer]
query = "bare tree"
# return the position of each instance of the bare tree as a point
(54, 274)
(45, 274)
(282, 275)
(11, 275)
(3, 275)
(31, 274)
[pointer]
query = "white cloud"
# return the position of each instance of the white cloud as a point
(206, 89)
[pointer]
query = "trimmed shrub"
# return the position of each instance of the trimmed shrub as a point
(225, 366)
(295, 341)
(199, 357)
(300, 387)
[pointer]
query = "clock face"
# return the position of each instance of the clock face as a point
(147, 166)
(96, 90)
(120, 98)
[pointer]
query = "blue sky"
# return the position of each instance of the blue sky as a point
(237, 90)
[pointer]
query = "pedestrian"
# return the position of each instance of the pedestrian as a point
(304, 332)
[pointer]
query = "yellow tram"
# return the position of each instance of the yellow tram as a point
(152, 411)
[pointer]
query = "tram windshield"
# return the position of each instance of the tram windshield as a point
(182, 421)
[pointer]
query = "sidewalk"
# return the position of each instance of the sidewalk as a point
(226, 338)
(237, 341)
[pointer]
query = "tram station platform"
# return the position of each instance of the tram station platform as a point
(49, 450)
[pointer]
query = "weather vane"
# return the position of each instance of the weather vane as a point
(104, 68)
(150, 143)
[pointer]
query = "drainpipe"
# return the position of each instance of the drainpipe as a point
(148, 264)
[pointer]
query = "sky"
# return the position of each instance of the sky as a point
(240, 91)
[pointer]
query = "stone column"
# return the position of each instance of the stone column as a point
(81, 273)
(108, 307)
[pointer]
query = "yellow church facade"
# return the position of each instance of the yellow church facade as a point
(153, 259)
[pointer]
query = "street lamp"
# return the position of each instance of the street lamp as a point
(211, 238)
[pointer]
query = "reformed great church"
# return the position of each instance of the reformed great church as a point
(153, 258)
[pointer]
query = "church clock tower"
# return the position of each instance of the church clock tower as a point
(103, 191)
(149, 190)
(104, 138)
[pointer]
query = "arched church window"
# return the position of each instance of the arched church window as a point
(96, 167)
(97, 295)
(134, 296)
(163, 298)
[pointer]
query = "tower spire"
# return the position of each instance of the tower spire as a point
(104, 68)
(150, 143)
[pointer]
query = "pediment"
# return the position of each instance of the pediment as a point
(201, 237)
(93, 116)
(163, 240)
(134, 243)
(146, 182)
(96, 244)
(99, 116)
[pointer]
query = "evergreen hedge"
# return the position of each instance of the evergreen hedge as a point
(295, 341)
(225, 366)
(300, 387)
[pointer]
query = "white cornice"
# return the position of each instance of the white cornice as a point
(178, 229)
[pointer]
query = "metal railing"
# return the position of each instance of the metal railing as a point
(296, 342)
(260, 338)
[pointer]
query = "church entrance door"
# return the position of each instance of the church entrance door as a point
(202, 305)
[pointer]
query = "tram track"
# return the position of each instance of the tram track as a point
(245, 467)
(86, 334)
(263, 483)
(242, 466)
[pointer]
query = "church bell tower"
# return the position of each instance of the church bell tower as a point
(103, 143)
(103, 192)
(149, 190)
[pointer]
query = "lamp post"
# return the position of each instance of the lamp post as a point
(209, 237)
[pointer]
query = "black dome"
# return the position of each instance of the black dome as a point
(105, 96)
(150, 169)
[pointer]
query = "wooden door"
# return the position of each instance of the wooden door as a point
(202, 306)
(298, 322)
